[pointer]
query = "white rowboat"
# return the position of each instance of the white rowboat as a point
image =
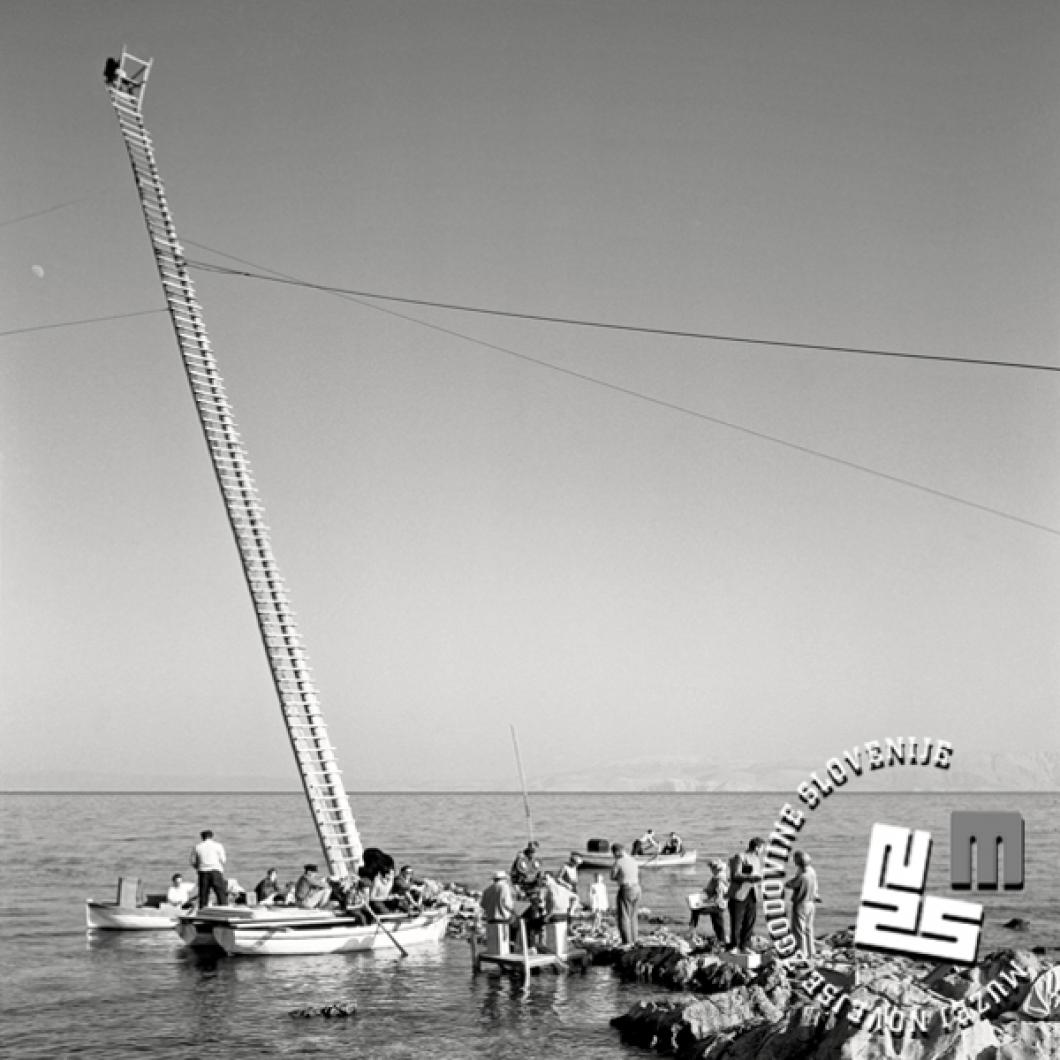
(645, 861)
(271, 931)
(109, 916)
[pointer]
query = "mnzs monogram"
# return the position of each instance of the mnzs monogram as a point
(896, 916)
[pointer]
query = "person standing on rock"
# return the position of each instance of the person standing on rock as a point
(803, 887)
(626, 874)
(744, 893)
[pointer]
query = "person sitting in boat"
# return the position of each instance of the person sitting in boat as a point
(180, 892)
(380, 889)
(647, 844)
(236, 893)
(674, 844)
(355, 902)
(268, 890)
(311, 891)
(526, 868)
(407, 891)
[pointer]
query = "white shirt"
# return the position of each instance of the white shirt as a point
(208, 856)
(179, 893)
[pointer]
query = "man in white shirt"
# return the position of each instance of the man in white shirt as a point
(180, 892)
(208, 858)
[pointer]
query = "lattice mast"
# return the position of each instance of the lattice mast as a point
(291, 675)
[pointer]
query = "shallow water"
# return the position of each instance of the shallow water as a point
(67, 993)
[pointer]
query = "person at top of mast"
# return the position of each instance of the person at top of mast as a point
(526, 868)
(647, 844)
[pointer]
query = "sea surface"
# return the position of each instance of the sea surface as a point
(67, 993)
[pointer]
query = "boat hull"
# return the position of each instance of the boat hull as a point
(109, 916)
(593, 860)
(301, 932)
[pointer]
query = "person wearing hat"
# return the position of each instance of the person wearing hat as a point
(526, 868)
(498, 907)
(311, 891)
(714, 900)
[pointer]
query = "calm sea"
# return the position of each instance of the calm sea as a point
(66, 993)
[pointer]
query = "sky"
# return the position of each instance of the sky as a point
(626, 544)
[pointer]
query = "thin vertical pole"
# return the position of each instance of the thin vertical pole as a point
(522, 781)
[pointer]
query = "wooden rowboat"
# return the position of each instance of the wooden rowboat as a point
(271, 931)
(110, 916)
(598, 860)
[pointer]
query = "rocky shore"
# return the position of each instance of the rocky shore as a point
(847, 1006)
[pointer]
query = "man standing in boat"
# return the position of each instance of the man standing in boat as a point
(208, 860)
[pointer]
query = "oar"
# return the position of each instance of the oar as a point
(386, 931)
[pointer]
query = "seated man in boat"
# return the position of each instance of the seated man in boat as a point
(180, 892)
(674, 844)
(311, 891)
(407, 891)
(268, 890)
(647, 844)
(379, 892)
(526, 868)
(356, 902)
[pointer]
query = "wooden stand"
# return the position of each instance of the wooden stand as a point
(497, 952)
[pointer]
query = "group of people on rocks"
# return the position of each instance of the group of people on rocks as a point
(736, 889)
(730, 898)
(379, 887)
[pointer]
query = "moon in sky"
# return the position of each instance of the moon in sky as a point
(38, 271)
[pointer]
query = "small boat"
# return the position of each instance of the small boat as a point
(110, 916)
(271, 931)
(597, 859)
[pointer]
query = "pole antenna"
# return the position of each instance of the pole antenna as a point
(522, 781)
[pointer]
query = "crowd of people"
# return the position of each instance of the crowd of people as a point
(731, 897)
(735, 889)
(380, 888)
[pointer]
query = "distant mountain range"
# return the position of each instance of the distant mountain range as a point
(970, 771)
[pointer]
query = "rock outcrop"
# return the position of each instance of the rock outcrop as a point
(849, 1007)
